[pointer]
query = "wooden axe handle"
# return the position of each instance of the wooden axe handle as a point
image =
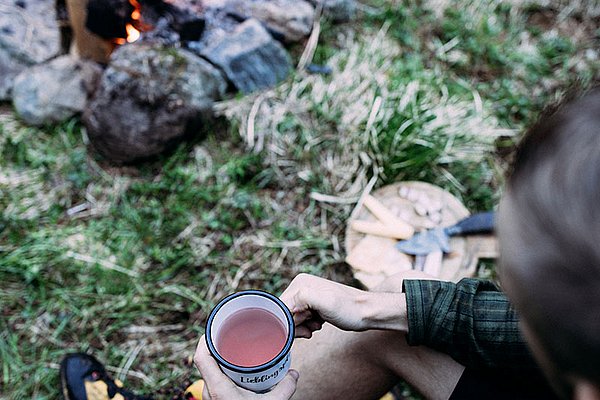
(386, 217)
(379, 229)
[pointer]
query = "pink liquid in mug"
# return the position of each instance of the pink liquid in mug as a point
(251, 337)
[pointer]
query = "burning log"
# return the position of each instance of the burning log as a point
(183, 16)
(109, 18)
(87, 44)
(122, 20)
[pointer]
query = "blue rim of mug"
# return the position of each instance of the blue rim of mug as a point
(258, 368)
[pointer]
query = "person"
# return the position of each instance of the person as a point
(465, 340)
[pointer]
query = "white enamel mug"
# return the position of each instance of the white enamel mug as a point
(262, 377)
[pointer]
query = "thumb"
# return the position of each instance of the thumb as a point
(286, 388)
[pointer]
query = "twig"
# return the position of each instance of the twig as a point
(313, 40)
(325, 198)
(102, 263)
(136, 329)
(235, 283)
(136, 374)
(374, 110)
(252, 119)
(129, 362)
(78, 209)
(367, 190)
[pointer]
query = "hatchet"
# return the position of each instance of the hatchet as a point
(436, 239)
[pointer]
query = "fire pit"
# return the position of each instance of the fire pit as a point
(164, 63)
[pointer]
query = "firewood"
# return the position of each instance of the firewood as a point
(86, 44)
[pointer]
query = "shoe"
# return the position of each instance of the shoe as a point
(82, 377)
(194, 391)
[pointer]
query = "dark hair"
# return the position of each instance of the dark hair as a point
(549, 229)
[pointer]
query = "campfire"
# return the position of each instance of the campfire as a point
(124, 21)
(164, 64)
(134, 27)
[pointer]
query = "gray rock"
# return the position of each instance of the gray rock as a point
(250, 57)
(29, 34)
(149, 98)
(10, 67)
(54, 91)
(337, 10)
(292, 20)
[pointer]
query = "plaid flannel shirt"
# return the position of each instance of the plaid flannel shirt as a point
(472, 321)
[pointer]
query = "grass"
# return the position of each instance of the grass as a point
(126, 262)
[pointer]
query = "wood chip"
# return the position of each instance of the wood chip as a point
(433, 263)
(436, 217)
(413, 195)
(377, 255)
(403, 192)
(435, 205)
(420, 209)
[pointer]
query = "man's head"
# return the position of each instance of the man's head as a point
(549, 230)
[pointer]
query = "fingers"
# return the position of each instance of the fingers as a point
(222, 387)
(286, 388)
(306, 330)
(205, 394)
(306, 319)
(301, 316)
(288, 298)
(314, 325)
(291, 296)
(303, 332)
(208, 367)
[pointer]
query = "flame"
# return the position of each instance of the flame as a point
(132, 33)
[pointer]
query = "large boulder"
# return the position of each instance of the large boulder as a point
(250, 57)
(148, 99)
(29, 34)
(54, 91)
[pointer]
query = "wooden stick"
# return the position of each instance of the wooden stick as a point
(386, 217)
(379, 229)
(87, 45)
(433, 263)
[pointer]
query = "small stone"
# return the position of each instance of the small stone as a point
(338, 10)
(250, 58)
(54, 91)
(435, 205)
(436, 218)
(420, 209)
(424, 201)
(413, 195)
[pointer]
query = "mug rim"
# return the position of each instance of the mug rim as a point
(261, 367)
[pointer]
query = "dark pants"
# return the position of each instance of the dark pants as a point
(482, 384)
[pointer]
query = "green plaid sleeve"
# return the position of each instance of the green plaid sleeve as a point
(472, 321)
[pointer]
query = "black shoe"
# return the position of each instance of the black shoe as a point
(82, 377)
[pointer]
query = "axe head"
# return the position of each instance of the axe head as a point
(426, 242)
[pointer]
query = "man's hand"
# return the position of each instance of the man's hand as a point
(315, 300)
(218, 386)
